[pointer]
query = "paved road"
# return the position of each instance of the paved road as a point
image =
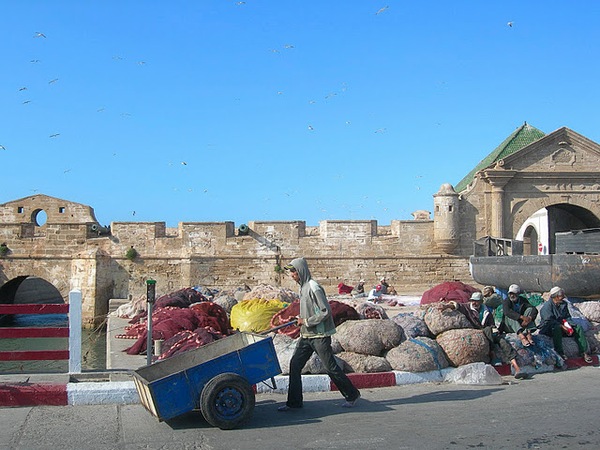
(552, 410)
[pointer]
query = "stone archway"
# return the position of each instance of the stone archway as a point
(561, 217)
(29, 289)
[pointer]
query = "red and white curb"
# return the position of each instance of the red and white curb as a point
(125, 393)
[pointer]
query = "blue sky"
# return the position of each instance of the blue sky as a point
(218, 110)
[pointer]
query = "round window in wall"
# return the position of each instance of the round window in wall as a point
(39, 217)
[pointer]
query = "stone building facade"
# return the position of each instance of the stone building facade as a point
(70, 250)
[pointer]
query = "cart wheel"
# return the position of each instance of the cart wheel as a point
(227, 401)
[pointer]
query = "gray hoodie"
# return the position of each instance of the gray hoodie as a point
(314, 307)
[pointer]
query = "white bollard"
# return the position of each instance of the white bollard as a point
(75, 331)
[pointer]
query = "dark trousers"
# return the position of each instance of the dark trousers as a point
(304, 350)
(508, 352)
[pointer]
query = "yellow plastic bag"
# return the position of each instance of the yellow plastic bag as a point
(255, 315)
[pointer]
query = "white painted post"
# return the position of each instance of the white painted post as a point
(75, 331)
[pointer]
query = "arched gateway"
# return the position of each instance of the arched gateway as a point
(548, 187)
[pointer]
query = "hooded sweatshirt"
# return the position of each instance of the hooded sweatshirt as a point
(314, 307)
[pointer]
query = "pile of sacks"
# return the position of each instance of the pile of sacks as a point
(431, 338)
(366, 341)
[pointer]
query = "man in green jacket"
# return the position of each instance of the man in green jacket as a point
(316, 327)
(557, 322)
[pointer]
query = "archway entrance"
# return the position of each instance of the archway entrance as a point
(29, 289)
(539, 230)
(565, 217)
(530, 241)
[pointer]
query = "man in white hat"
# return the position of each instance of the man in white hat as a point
(384, 285)
(556, 323)
(519, 316)
(386, 288)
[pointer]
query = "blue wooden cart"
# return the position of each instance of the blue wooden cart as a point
(216, 378)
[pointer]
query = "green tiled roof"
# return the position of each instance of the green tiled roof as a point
(521, 137)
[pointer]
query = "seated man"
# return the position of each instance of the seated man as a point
(375, 294)
(556, 323)
(482, 318)
(384, 285)
(491, 298)
(359, 289)
(519, 315)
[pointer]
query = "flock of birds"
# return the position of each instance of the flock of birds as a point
(310, 127)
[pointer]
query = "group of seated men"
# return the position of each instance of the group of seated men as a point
(519, 317)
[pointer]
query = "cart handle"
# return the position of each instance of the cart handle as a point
(293, 322)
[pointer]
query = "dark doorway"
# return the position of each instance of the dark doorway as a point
(565, 217)
(530, 241)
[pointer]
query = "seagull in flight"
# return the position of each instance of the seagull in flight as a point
(53, 81)
(310, 128)
(55, 135)
(38, 34)
(510, 24)
(381, 10)
(24, 88)
(2, 147)
(26, 101)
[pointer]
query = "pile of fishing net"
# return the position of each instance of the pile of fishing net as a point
(169, 321)
(341, 312)
(420, 354)
(369, 336)
(412, 324)
(132, 308)
(439, 319)
(464, 346)
(590, 309)
(447, 291)
(268, 292)
(368, 310)
(285, 347)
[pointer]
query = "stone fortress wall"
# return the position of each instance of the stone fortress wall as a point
(72, 251)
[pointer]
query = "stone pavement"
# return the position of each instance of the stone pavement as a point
(116, 386)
